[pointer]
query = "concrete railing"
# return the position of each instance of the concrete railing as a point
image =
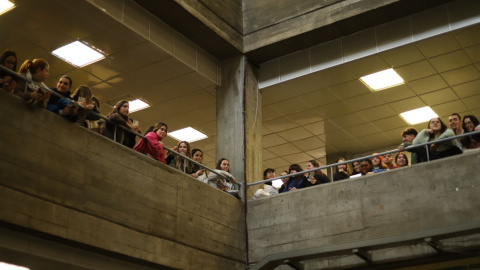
(60, 179)
(331, 166)
(76, 104)
(423, 200)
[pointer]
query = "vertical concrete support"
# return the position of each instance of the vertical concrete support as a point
(239, 118)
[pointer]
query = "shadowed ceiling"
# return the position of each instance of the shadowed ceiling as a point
(309, 117)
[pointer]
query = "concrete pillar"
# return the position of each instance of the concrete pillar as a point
(239, 120)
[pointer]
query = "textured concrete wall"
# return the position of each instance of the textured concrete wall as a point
(267, 22)
(60, 179)
(421, 197)
(239, 120)
(229, 11)
(223, 17)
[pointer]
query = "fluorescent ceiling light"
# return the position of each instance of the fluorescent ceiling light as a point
(419, 115)
(6, 266)
(5, 6)
(137, 105)
(188, 134)
(382, 80)
(78, 54)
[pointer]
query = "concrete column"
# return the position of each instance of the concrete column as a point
(239, 120)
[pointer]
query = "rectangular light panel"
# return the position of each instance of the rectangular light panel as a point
(137, 105)
(6, 266)
(5, 6)
(188, 134)
(419, 115)
(382, 80)
(78, 54)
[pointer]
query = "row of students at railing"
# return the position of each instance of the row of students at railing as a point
(63, 103)
(436, 130)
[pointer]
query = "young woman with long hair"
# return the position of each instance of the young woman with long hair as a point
(83, 95)
(437, 130)
(8, 59)
(119, 116)
(295, 182)
(197, 171)
(176, 161)
(317, 177)
(152, 145)
(36, 70)
(401, 160)
(341, 171)
(470, 124)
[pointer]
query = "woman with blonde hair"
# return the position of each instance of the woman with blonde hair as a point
(341, 171)
(36, 70)
(176, 161)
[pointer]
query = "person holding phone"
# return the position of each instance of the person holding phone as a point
(317, 177)
(83, 96)
(119, 116)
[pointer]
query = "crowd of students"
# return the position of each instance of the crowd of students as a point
(436, 130)
(65, 103)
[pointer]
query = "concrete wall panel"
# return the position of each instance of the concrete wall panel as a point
(421, 197)
(63, 180)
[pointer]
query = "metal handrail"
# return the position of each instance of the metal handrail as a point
(426, 144)
(76, 104)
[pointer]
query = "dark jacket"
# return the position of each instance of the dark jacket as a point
(302, 183)
(123, 137)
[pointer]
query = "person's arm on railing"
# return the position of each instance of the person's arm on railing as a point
(422, 137)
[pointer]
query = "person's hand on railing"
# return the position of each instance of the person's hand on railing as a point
(401, 148)
(198, 173)
(39, 96)
(8, 83)
(69, 110)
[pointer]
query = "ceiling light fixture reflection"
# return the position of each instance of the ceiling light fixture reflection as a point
(382, 80)
(188, 134)
(78, 54)
(137, 105)
(419, 115)
(6, 266)
(6, 6)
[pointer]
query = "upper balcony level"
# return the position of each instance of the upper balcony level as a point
(73, 197)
